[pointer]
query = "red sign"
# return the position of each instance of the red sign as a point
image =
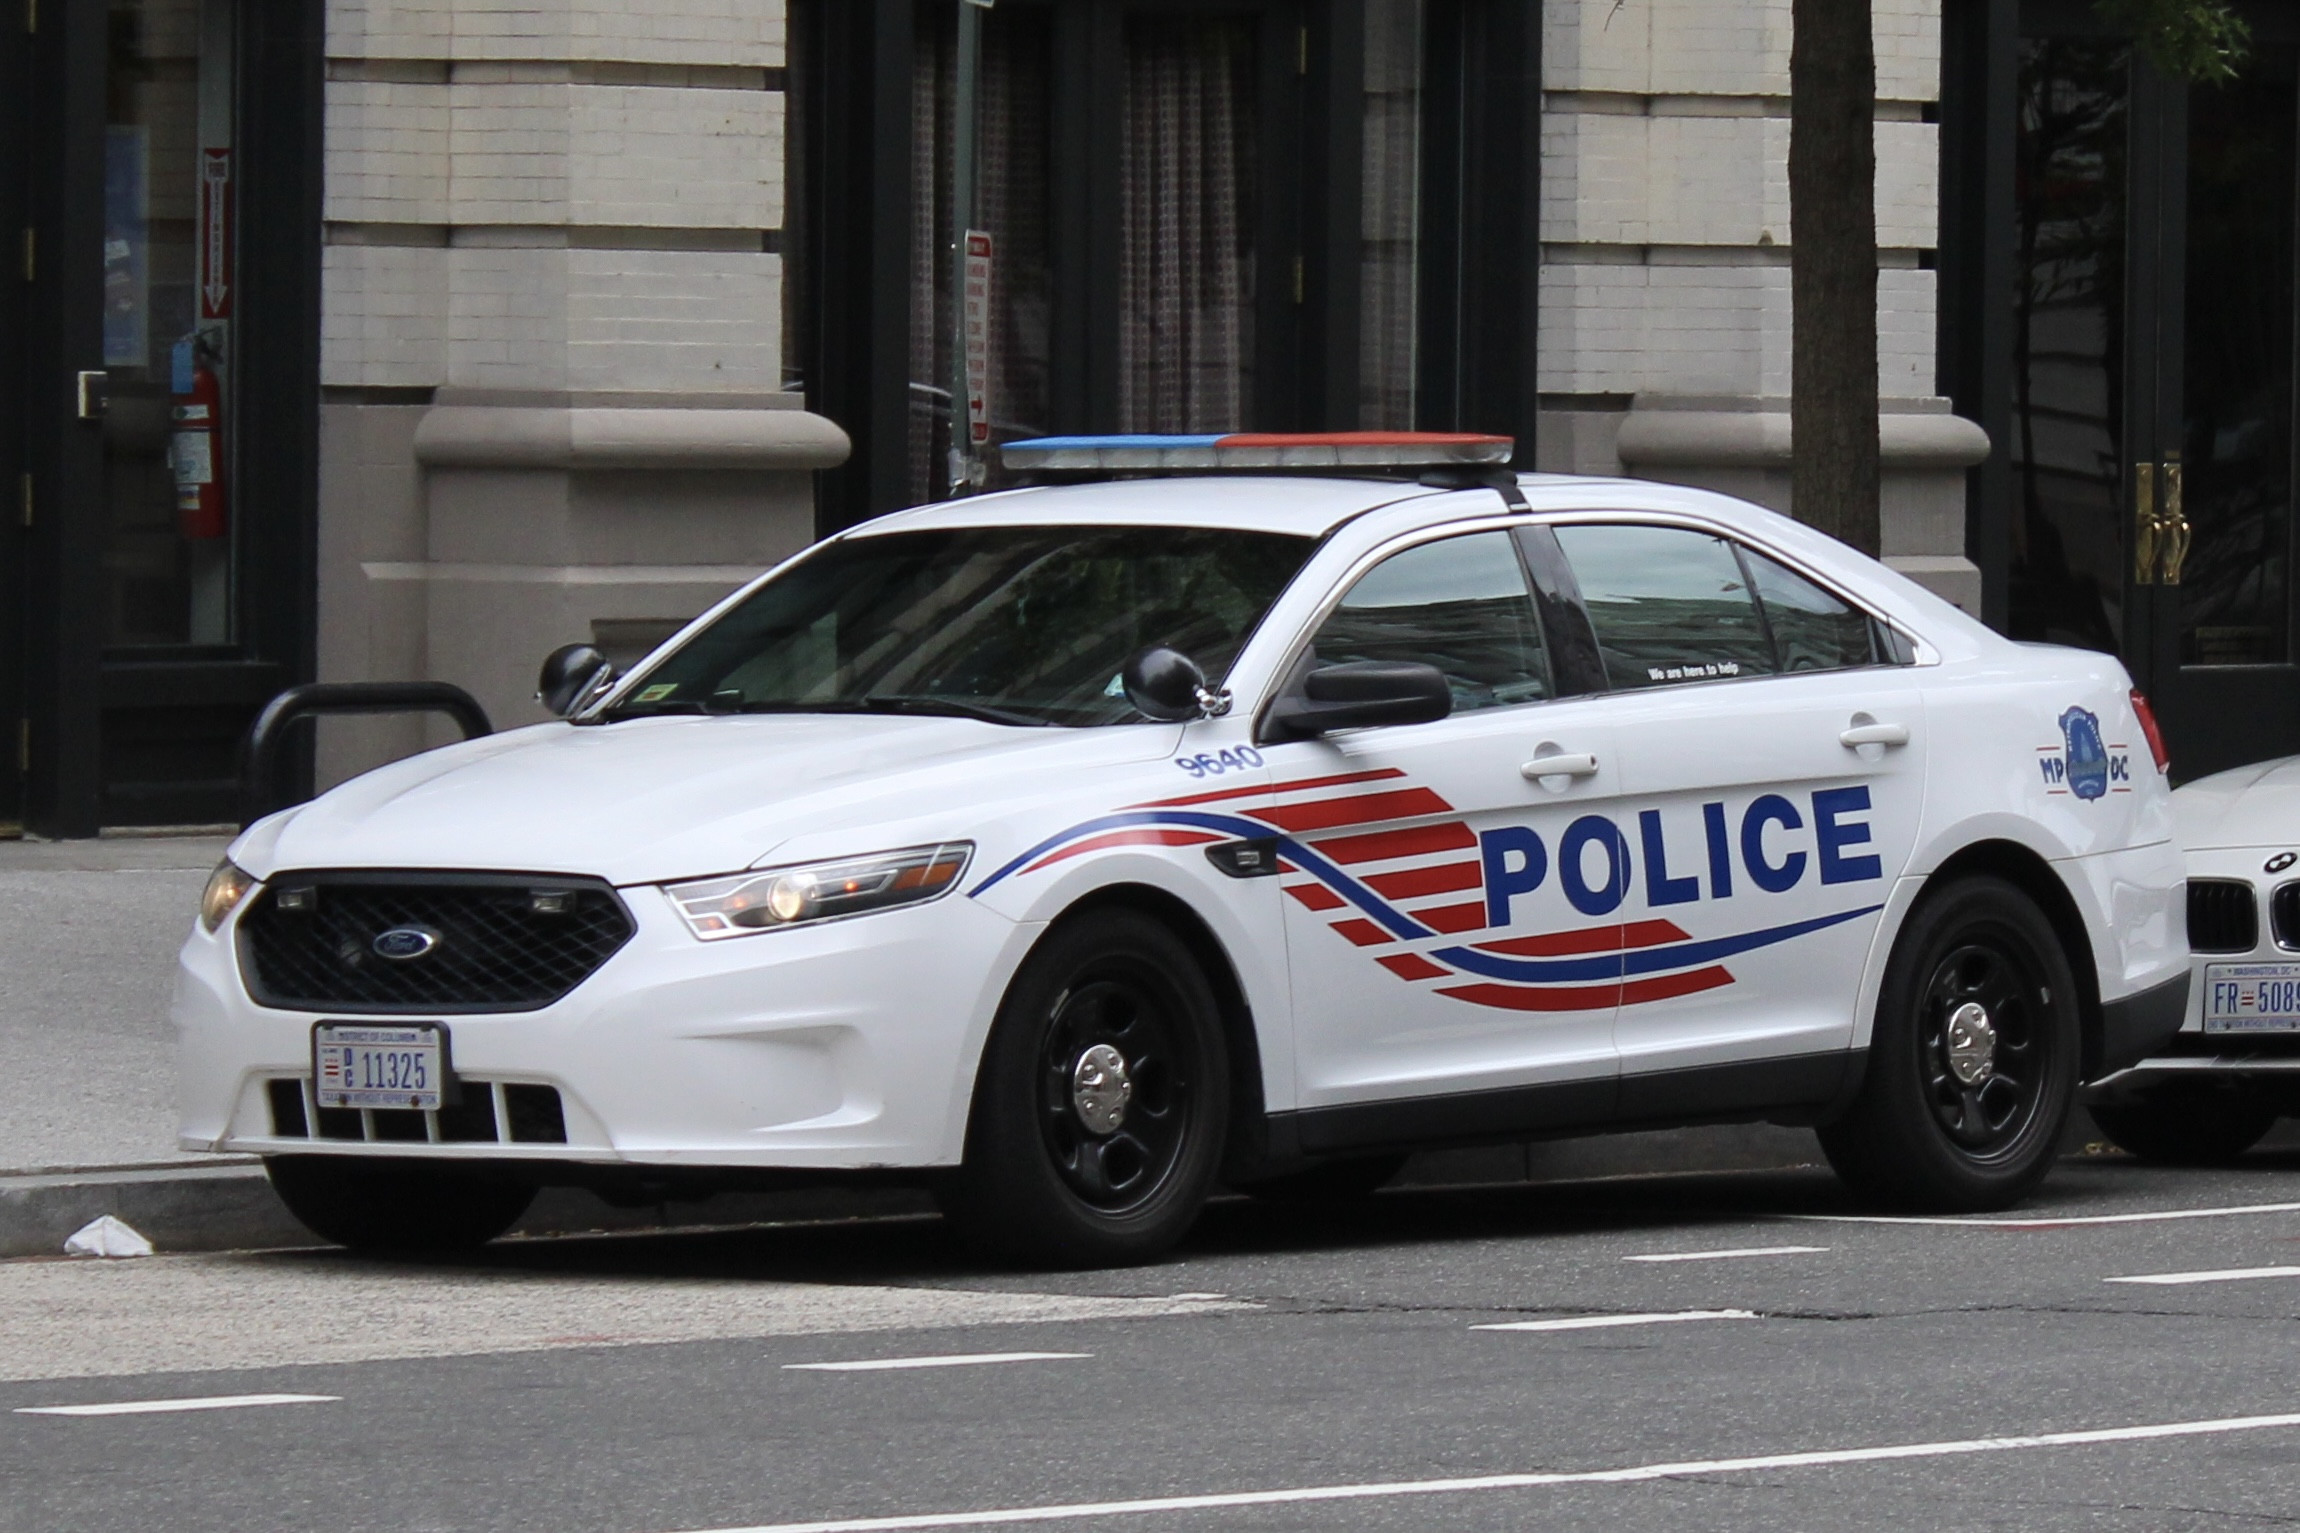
(976, 311)
(215, 234)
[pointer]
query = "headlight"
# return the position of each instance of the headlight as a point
(227, 886)
(818, 891)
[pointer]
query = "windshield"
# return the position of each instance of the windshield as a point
(1019, 625)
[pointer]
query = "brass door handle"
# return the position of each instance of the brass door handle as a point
(2145, 525)
(2172, 527)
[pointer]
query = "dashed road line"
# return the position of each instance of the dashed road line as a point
(1607, 1322)
(954, 1360)
(2049, 1223)
(155, 1407)
(1719, 1256)
(1632, 1475)
(2224, 1275)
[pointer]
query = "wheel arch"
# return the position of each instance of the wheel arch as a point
(2025, 870)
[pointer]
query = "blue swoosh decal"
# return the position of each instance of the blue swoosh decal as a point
(1641, 961)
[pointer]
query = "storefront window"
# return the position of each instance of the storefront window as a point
(1389, 317)
(169, 295)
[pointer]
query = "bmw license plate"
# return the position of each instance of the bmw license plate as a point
(2252, 997)
(364, 1064)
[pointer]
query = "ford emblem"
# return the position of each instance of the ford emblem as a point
(2280, 862)
(404, 942)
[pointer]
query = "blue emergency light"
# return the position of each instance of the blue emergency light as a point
(1260, 450)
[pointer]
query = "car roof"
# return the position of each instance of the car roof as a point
(1306, 505)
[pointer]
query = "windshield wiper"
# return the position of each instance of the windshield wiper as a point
(652, 710)
(954, 707)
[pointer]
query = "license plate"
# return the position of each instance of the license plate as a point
(360, 1064)
(2252, 997)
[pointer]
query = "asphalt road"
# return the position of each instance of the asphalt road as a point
(1311, 1368)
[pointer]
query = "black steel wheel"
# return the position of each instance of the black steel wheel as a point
(1972, 1063)
(1101, 1102)
(410, 1207)
(2209, 1124)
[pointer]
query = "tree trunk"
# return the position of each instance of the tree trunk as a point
(1833, 270)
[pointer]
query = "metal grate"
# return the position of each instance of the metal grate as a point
(2284, 915)
(490, 1112)
(2223, 916)
(491, 942)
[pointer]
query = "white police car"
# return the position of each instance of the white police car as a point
(2215, 1090)
(1077, 846)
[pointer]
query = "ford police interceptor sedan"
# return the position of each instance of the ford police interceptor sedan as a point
(1076, 847)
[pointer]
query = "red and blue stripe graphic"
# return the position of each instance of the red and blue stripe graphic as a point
(1412, 887)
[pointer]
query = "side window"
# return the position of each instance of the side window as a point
(1812, 630)
(1460, 604)
(1669, 605)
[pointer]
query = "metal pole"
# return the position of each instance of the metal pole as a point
(963, 468)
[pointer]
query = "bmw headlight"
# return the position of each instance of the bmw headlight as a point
(818, 891)
(227, 886)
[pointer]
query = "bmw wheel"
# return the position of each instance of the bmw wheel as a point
(2195, 1127)
(1099, 1110)
(1972, 1065)
(396, 1206)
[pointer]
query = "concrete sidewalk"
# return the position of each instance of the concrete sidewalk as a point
(88, 938)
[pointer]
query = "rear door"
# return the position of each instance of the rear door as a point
(1773, 761)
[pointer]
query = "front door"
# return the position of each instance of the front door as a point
(2151, 434)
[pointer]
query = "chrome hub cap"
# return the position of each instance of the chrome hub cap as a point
(1972, 1044)
(1100, 1089)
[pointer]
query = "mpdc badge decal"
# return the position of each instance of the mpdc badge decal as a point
(2086, 756)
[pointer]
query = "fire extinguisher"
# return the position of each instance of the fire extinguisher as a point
(202, 510)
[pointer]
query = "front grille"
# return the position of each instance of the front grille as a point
(498, 942)
(529, 1115)
(2284, 915)
(2223, 917)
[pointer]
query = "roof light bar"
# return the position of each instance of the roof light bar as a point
(1248, 449)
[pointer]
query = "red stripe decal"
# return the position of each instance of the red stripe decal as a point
(1446, 878)
(1662, 987)
(1363, 933)
(1144, 837)
(1590, 939)
(1283, 787)
(1525, 998)
(1412, 966)
(1315, 896)
(1379, 845)
(1356, 809)
(1453, 918)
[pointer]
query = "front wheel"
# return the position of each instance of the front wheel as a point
(1972, 1065)
(396, 1206)
(1100, 1107)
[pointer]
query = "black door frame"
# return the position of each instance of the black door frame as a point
(74, 687)
(17, 118)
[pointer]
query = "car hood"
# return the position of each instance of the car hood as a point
(2256, 805)
(653, 799)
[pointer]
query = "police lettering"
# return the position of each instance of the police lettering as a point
(1778, 844)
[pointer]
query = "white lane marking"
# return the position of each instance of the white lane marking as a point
(954, 1360)
(1606, 1322)
(153, 1407)
(2225, 1275)
(1632, 1475)
(2051, 1224)
(1718, 1256)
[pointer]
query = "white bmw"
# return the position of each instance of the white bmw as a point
(1075, 847)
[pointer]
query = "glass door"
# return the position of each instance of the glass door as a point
(2151, 426)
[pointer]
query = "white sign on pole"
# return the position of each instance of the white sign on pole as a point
(976, 313)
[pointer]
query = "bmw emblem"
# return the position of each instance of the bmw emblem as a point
(2280, 862)
(404, 942)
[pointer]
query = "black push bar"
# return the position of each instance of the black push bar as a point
(260, 752)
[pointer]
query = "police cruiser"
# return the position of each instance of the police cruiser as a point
(1076, 848)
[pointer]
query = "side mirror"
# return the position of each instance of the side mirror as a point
(1362, 693)
(573, 674)
(1164, 684)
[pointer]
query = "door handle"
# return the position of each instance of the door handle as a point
(1560, 764)
(2173, 525)
(91, 393)
(1874, 734)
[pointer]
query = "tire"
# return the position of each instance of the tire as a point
(2204, 1127)
(396, 1207)
(1330, 1181)
(1962, 1112)
(1101, 1104)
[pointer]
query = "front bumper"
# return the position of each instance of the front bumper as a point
(848, 1045)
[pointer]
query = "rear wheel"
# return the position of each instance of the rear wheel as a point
(1972, 1065)
(1100, 1106)
(2197, 1127)
(396, 1205)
